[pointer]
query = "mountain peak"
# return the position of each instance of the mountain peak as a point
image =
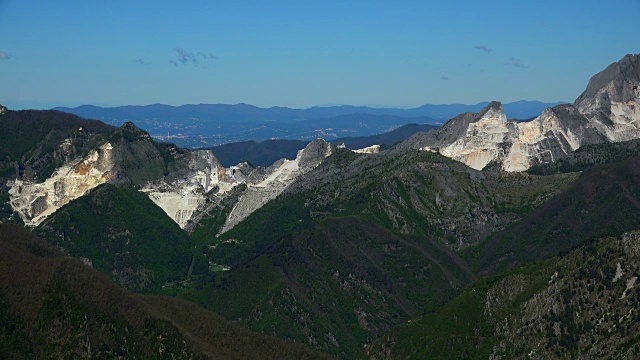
(131, 131)
(495, 105)
(493, 110)
(619, 82)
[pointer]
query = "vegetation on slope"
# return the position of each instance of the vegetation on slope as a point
(582, 305)
(604, 200)
(53, 306)
(140, 158)
(589, 156)
(336, 285)
(31, 141)
(124, 234)
(361, 244)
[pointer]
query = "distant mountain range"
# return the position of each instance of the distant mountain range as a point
(267, 152)
(214, 124)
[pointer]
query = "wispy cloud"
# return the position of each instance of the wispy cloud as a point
(141, 62)
(4, 56)
(185, 57)
(444, 77)
(515, 62)
(484, 48)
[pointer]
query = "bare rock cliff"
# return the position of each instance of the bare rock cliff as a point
(35, 201)
(608, 110)
(279, 176)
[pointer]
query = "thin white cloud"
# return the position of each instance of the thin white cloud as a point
(4, 56)
(484, 48)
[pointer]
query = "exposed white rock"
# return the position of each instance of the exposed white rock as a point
(373, 149)
(179, 205)
(481, 142)
(625, 117)
(35, 201)
(281, 175)
(618, 273)
(630, 284)
(517, 145)
(183, 194)
(608, 110)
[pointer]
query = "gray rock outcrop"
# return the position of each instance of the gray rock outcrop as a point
(608, 110)
(278, 177)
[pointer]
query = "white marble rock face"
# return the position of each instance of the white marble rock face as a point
(34, 202)
(608, 110)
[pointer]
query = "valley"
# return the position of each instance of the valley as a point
(482, 237)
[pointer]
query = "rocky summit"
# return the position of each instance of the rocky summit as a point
(608, 110)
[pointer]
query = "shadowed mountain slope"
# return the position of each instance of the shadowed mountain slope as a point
(581, 305)
(53, 306)
(362, 243)
(123, 234)
(604, 200)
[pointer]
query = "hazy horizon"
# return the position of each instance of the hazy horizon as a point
(299, 55)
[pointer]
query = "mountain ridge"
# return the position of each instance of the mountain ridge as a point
(206, 125)
(608, 110)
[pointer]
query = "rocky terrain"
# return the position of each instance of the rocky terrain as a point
(581, 305)
(196, 180)
(277, 178)
(440, 246)
(608, 110)
(35, 201)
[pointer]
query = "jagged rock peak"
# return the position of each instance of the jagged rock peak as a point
(612, 98)
(313, 153)
(619, 81)
(494, 108)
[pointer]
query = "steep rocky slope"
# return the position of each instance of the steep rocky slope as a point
(276, 179)
(201, 183)
(185, 184)
(126, 156)
(35, 143)
(35, 201)
(583, 305)
(608, 110)
(611, 101)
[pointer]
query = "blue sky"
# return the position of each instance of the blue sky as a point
(305, 53)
